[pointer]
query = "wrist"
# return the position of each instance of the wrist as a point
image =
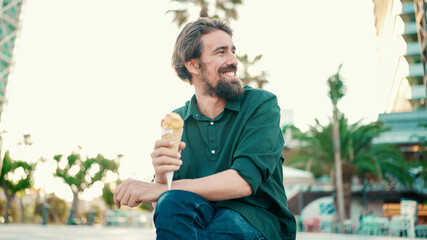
(160, 180)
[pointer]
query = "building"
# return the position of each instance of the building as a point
(401, 70)
(401, 33)
(10, 25)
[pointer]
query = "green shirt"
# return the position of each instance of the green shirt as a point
(246, 137)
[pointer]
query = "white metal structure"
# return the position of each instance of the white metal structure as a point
(10, 26)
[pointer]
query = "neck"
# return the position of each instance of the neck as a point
(210, 106)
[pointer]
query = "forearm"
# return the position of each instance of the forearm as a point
(220, 186)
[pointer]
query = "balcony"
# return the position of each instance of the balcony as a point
(412, 54)
(417, 92)
(410, 32)
(408, 8)
(408, 12)
(411, 28)
(404, 127)
(416, 70)
(413, 48)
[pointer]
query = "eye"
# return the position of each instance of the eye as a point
(221, 52)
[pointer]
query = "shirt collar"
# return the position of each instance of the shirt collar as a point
(234, 105)
(192, 109)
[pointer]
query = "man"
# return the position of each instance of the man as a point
(228, 181)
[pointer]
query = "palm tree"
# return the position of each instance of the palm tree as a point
(225, 9)
(336, 92)
(418, 167)
(359, 155)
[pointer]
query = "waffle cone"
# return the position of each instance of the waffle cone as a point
(173, 135)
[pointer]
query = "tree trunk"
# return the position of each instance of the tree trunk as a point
(74, 208)
(204, 11)
(8, 203)
(347, 177)
(338, 172)
(348, 171)
(365, 193)
(21, 205)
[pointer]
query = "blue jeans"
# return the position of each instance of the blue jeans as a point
(186, 215)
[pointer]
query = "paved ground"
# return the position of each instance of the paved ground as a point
(50, 232)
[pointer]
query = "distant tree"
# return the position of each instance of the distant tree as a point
(13, 211)
(15, 177)
(81, 172)
(92, 216)
(27, 142)
(360, 157)
(57, 209)
(146, 206)
(108, 195)
(418, 167)
(247, 78)
(225, 9)
(336, 92)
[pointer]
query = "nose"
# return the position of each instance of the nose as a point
(232, 59)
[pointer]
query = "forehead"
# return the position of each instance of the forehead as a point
(215, 39)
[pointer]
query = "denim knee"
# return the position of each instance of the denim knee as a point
(174, 198)
(178, 203)
(182, 215)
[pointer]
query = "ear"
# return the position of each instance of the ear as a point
(192, 66)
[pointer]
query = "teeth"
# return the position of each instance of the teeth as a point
(230, 74)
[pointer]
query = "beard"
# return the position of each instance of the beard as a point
(228, 90)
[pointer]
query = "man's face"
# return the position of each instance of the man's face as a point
(219, 66)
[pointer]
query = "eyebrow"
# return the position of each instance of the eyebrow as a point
(224, 48)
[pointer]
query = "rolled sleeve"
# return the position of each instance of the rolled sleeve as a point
(260, 146)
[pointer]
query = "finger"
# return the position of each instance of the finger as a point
(165, 169)
(164, 160)
(117, 190)
(163, 143)
(116, 193)
(121, 192)
(135, 204)
(181, 146)
(117, 203)
(126, 197)
(163, 151)
(133, 201)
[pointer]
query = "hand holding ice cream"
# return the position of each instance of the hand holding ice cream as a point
(172, 129)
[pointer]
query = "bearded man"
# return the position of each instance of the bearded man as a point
(228, 180)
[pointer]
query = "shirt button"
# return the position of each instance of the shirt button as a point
(211, 123)
(213, 151)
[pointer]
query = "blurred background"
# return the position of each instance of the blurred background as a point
(85, 84)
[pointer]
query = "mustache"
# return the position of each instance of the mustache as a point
(228, 68)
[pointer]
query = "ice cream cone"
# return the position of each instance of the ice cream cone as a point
(173, 135)
(172, 129)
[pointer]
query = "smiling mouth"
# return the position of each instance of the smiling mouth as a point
(229, 73)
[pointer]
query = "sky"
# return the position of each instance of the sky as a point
(97, 73)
